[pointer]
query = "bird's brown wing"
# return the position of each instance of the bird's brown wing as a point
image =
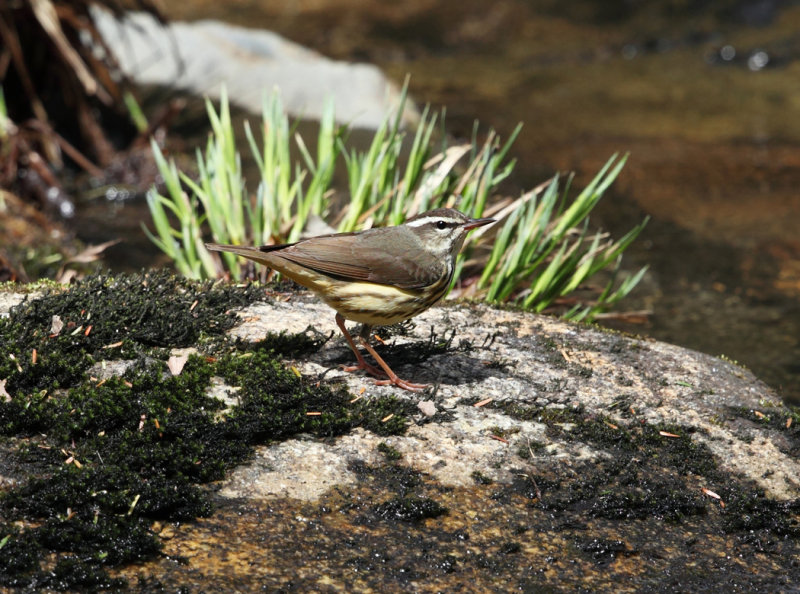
(365, 256)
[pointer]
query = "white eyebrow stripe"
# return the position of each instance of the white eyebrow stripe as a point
(428, 220)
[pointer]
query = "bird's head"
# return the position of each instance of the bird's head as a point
(442, 231)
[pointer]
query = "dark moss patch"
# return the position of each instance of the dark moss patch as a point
(480, 478)
(413, 501)
(635, 503)
(409, 509)
(757, 516)
(784, 421)
(652, 473)
(503, 432)
(105, 317)
(112, 456)
(290, 344)
(612, 490)
(395, 478)
(622, 403)
(275, 403)
(603, 551)
(18, 554)
(647, 474)
(155, 309)
(530, 447)
(666, 445)
(74, 573)
(390, 453)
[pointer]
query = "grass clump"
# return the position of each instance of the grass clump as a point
(105, 458)
(542, 247)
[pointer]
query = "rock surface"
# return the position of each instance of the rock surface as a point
(533, 361)
(548, 455)
(557, 456)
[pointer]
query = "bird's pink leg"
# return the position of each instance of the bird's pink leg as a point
(362, 363)
(385, 370)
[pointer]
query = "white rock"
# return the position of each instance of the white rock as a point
(200, 57)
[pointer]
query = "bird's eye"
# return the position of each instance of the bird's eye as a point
(441, 225)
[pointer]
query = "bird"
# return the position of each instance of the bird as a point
(377, 277)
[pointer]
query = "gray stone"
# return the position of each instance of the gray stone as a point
(533, 361)
(549, 455)
(200, 57)
(9, 299)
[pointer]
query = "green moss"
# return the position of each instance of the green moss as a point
(18, 553)
(409, 509)
(290, 344)
(112, 540)
(751, 512)
(73, 573)
(650, 472)
(529, 448)
(276, 403)
(154, 309)
(655, 442)
(393, 478)
(389, 452)
(503, 432)
(480, 478)
(99, 313)
(57, 363)
(113, 456)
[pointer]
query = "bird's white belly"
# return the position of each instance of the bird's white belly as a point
(373, 304)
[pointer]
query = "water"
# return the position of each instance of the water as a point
(703, 96)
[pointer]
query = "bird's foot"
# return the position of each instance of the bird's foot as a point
(401, 383)
(390, 379)
(384, 371)
(363, 365)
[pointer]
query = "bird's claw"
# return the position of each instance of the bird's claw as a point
(390, 380)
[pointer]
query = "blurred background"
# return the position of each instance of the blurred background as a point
(703, 95)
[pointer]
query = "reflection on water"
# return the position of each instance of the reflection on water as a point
(703, 95)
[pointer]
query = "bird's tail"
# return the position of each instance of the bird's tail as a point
(300, 274)
(251, 253)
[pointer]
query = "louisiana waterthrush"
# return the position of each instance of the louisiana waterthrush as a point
(376, 277)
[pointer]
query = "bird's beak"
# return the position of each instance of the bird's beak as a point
(475, 223)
